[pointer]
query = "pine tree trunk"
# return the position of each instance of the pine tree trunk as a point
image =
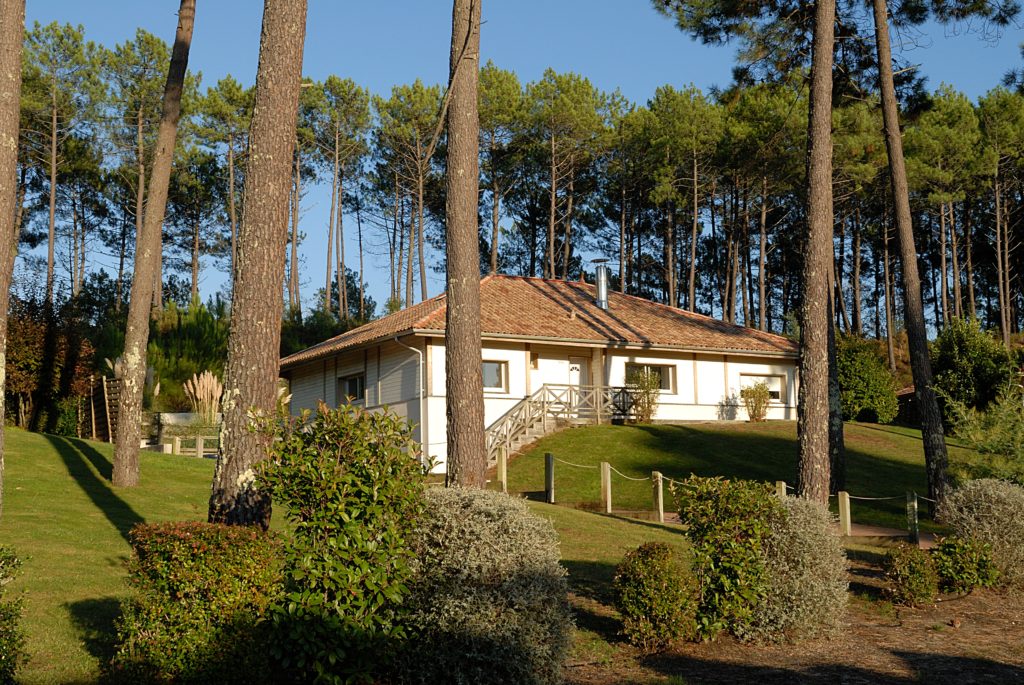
(567, 241)
(250, 376)
(495, 213)
(53, 195)
(954, 250)
(691, 286)
(762, 259)
(330, 226)
(420, 238)
(943, 264)
(669, 254)
(467, 456)
(359, 234)
(12, 26)
(129, 415)
(549, 271)
(293, 270)
(813, 406)
(195, 262)
(858, 315)
(340, 251)
(231, 207)
(936, 459)
(622, 239)
(972, 306)
(889, 345)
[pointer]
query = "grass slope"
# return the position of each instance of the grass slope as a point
(881, 461)
(64, 517)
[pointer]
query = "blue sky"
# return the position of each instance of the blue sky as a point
(621, 44)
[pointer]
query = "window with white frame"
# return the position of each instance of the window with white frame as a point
(351, 389)
(776, 384)
(495, 375)
(663, 371)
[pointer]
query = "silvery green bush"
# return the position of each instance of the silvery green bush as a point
(806, 576)
(487, 597)
(990, 512)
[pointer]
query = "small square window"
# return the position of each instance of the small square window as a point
(495, 376)
(664, 373)
(776, 384)
(351, 389)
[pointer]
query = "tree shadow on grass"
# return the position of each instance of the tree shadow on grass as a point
(95, 621)
(930, 668)
(78, 456)
(764, 456)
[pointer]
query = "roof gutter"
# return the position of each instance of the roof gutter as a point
(625, 345)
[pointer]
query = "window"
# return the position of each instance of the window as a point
(664, 373)
(495, 376)
(776, 384)
(351, 389)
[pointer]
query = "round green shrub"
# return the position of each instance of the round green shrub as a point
(488, 597)
(911, 576)
(352, 493)
(963, 565)
(201, 591)
(728, 523)
(866, 387)
(654, 593)
(990, 512)
(12, 638)
(807, 583)
(970, 365)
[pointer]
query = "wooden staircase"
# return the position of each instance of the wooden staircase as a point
(552, 408)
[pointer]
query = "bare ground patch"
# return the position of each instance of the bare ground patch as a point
(978, 638)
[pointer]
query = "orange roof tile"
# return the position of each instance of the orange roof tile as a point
(542, 309)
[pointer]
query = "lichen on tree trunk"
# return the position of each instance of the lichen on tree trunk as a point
(147, 255)
(250, 376)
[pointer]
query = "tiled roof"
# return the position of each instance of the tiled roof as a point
(541, 309)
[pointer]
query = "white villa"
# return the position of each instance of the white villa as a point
(552, 353)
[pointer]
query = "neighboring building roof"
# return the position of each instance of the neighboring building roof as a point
(549, 310)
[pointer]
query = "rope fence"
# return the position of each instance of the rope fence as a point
(782, 490)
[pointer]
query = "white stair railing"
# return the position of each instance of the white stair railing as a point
(554, 403)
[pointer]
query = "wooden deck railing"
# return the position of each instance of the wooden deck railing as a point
(554, 403)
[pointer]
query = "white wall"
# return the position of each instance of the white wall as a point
(705, 387)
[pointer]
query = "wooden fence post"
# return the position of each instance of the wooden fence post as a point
(200, 447)
(845, 520)
(912, 524)
(503, 469)
(176, 445)
(549, 478)
(659, 496)
(606, 487)
(780, 489)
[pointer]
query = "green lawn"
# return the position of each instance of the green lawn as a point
(881, 461)
(63, 516)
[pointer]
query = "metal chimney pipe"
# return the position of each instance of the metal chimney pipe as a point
(601, 271)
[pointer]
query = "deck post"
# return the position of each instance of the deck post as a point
(659, 496)
(780, 489)
(912, 523)
(549, 478)
(503, 469)
(845, 520)
(606, 487)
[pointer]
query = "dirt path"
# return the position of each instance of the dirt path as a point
(974, 639)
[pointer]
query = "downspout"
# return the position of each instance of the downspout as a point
(424, 458)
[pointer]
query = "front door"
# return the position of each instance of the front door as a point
(579, 377)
